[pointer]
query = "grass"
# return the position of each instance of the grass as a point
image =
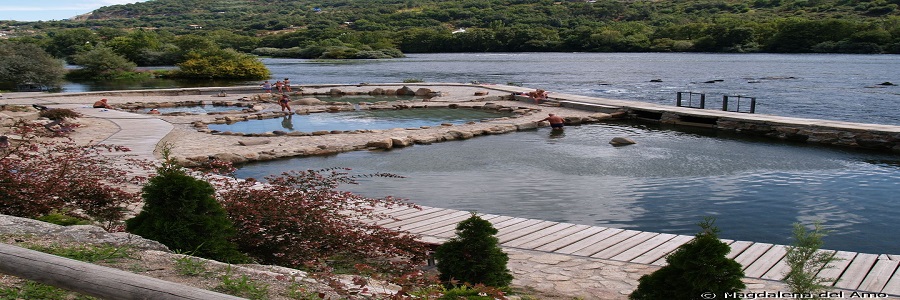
(91, 254)
(190, 266)
(33, 290)
(243, 286)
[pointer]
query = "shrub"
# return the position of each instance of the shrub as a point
(473, 255)
(221, 64)
(45, 172)
(180, 212)
(299, 219)
(694, 270)
(805, 261)
(59, 114)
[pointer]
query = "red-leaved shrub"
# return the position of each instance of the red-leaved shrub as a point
(44, 171)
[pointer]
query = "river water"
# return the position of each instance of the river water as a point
(821, 86)
(671, 179)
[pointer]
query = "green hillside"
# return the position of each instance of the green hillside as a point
(848, 26)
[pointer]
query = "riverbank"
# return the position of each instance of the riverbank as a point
(549, 274)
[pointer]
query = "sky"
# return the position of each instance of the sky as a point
(46, 10)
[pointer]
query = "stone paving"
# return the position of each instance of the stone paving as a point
(549, 275)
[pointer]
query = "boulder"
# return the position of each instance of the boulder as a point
(308, 101)
(423, 92)
(621, 141)
(398, 142)
(381, 144)
(230, 157)
(377, 91)
(405, 90)
(335, 92)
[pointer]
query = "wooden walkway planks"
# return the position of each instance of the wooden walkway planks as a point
(558, 227)
(856, 271)
(659, 253)
(879, 275)
(853, 271)
(566, 241)
(625, 245)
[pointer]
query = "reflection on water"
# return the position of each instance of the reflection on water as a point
(667, 182)
(363, 119)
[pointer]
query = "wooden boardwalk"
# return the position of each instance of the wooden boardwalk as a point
(854, 271)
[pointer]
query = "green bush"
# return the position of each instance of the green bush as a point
(473, 256)
(221, 64)
(806, 260)
(181, 212)
(696, 270)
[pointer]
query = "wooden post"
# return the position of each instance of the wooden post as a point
(93, 280)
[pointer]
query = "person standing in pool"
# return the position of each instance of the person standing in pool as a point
(267, 87)
(287, 85)
(285, 102)
(556, 122)
(279, 86)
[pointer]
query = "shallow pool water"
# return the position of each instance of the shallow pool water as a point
(197, 109)
(667, 182)
(361, 120)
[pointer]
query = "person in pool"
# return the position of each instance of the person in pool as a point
(556, 122)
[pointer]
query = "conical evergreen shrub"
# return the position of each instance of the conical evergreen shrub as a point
(181, 212)
(696, 270)
(473, 256)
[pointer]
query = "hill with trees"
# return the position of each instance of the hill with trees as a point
(415, 26)
(172, 32)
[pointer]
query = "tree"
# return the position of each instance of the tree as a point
(65, 43)
(101, 62)
(27, 63)
(806, 260)
(696, 270)
(221, 64)
(181, 212)
(473, 255)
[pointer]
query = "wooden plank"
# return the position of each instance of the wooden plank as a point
(660, 252)
(893, 286)
(517, 226)
(533, 244)
(450, 219)
(399, 211)
(738, 247)
(856, 271)
(405, 219)
(625, 245)
(646, 246)
(752, 253)
(606, 243)
(451, 230)
(571, 239)
(589, 240)
(538, 234)
(765, 262)
(879, 276)
(512, 235)
(834, 270)
(93, 280)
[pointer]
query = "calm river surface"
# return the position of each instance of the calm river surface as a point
(821, 86)
(667, 182)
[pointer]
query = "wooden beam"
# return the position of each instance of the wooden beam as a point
(93, 280)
